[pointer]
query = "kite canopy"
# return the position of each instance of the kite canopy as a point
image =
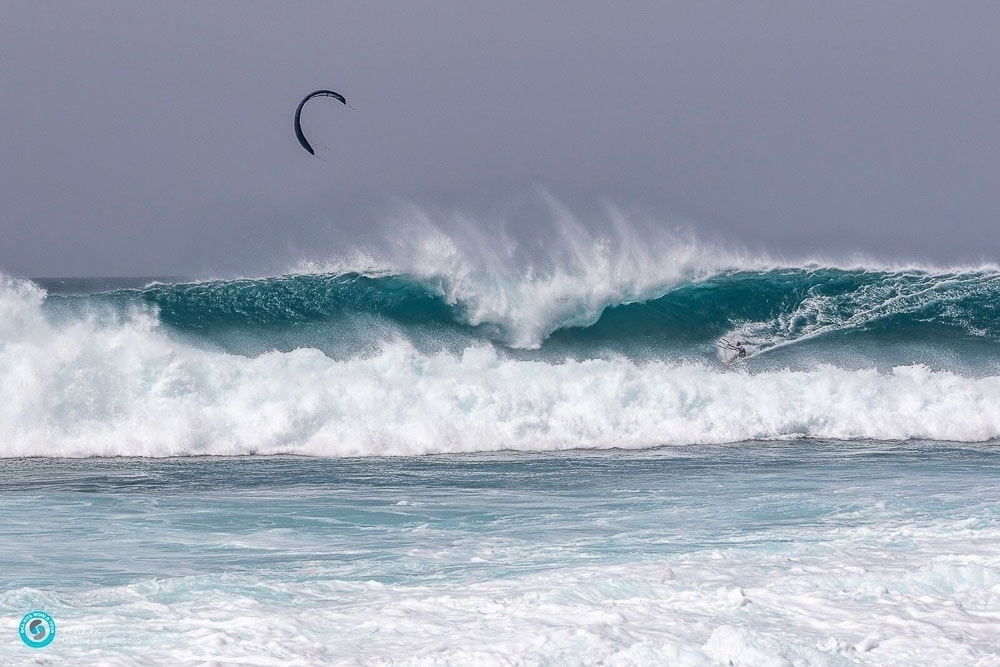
(298, 113)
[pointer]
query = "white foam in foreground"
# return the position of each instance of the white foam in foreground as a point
(84, 389)
(730, 607)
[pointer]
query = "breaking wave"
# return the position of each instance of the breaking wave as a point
(355, 365)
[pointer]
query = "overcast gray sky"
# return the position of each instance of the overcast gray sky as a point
(155, 138)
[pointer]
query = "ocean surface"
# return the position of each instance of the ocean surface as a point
(446, 463)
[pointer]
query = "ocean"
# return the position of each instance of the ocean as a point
(447, 463)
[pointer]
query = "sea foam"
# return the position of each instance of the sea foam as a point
(93, 386)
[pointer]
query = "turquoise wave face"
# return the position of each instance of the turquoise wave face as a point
(784, 313)
(779, 314)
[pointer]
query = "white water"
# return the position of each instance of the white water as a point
(709, 609)
(86, 388)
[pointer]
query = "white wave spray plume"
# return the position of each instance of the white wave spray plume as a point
(534, 264)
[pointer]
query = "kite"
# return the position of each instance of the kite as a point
(298, 113)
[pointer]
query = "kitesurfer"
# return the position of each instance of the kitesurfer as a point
(737, 347)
